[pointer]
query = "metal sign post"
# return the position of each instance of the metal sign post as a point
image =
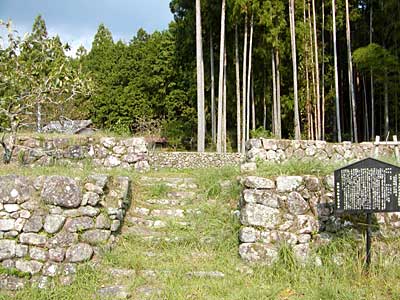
(367, 186)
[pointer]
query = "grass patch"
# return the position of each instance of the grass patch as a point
(211, 243)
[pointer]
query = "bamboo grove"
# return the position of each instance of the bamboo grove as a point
(324, 70)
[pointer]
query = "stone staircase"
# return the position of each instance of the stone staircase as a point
(162, 213)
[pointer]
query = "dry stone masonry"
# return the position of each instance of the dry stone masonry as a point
(291, 210)
(192, 160)
(50, 223)
(282, 150)
(107, 152)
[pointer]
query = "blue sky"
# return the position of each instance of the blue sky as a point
(76, 21)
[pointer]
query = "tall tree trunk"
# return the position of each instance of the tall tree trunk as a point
(213, 118)
(317, 87)
(372, 74)
(314, 90)
(351, 79)
(221, 78)
(297, 133)
(249, 77)
(264, 104)
(38, 117)
(244, 108)
(386, 107)
(201, 128)
(323, 74)
(366, 119)
(253, 105)
(224, 107)
(237, 89)
(274, 102)
(308, 98)
(338, 124)
(278, 96)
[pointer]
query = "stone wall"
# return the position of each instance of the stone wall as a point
(293, 210)
(50, 223)
(282, 150)
(106, 151)
(191, 160)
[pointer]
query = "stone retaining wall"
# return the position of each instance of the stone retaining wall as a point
(191, 160)
(50, 223)
(106, 151)
(282, 150)
(293, 210)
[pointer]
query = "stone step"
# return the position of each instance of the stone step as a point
(166, 202)
(114, 292)
(181, 195)
(133, 221)
(161, 213)
(171, 182)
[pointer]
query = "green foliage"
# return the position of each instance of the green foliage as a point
(261, 132)
(376, 58)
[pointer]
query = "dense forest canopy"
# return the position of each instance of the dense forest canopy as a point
(149, 84)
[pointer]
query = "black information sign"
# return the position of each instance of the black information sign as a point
(367, 186)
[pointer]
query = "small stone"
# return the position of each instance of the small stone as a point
(264, 254)
(66, 280)
(119, 150)
(89, 211)
(31, 266)
(112, 161)
(177, 213)
(79, 224)
(114, 292)
(108, 142)
(57, 254)
(90, 187)
(25, 214)
(206, 274)
(99, 180)
(38, 253)
(259, 215)
(32, 239)
(8, 264)
(79, 252)
(21, 250)
(7, 249)
(33, 224)
(90, 198)
(7, 224)
(11, 208)
(11, 234)
(103, 222)
(96, 236)
(53, 223)
(62, 239)
(50, 269)
(304, 238)
(115, 225)
(248, 235)
(296, 204)
(11, 283)
(288, 183)
(258, 182)
(248, 167)
(263, 197)
(69, 269)
(301, 252)
(19, 224)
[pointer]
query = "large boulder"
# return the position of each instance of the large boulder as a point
(61, 191)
